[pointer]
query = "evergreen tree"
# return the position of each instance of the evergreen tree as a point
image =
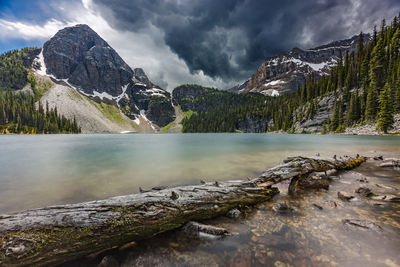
(371, 104)
(335, 120)
(377, 69)
(353, 110)
(385, 116)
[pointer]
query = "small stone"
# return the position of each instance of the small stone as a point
(364, 191)
(216, 183)
(141, 190)
(234, 214)
(344, 196)
(108, 261)
(202, 182)
(317, 206)
(363, 180)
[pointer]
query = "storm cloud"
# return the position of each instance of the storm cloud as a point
(218, 43)
(228, 39)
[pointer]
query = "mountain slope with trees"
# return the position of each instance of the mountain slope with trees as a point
(363, 88)
(18, 111)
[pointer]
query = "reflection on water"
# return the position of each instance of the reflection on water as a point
(45, 170)
(308, 236)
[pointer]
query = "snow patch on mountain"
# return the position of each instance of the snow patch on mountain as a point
(276, 82)
(39, 60)
(274, 93)
(314, 66)
(154, 92)
(143, 115)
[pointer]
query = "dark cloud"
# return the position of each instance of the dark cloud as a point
(228, 39)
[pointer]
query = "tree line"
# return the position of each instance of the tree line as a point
(19, 114)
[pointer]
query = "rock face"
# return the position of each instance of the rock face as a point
(314, 122)
(152, 103)
(79, 56)
(139, 74)
(284, 72)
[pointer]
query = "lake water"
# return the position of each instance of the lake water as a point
(41, 170)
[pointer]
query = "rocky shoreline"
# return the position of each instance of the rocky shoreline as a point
(370, 129)
(269, 226)
(296, 177)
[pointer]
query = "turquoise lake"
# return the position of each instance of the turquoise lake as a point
(41, 170)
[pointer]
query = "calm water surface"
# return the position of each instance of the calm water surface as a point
(41, 170)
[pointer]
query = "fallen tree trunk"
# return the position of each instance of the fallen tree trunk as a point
(61, 233)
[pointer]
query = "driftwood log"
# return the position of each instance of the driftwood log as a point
(57, 234)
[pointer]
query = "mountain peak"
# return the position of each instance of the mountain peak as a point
(81, 56)
(284, 72)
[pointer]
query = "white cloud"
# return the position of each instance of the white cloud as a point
(145, 49)
(21, 30)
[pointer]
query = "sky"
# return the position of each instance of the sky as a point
(216, 43)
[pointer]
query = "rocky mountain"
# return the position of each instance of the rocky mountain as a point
(79, 58)
(286, 71)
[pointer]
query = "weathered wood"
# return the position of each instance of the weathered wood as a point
(57, 234)
(300, 167)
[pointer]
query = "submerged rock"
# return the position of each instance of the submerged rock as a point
(282, 208)
(361, 224)
(345, 196)
(108, 261)
(364, 191)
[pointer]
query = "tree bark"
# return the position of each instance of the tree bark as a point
(57, 234)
